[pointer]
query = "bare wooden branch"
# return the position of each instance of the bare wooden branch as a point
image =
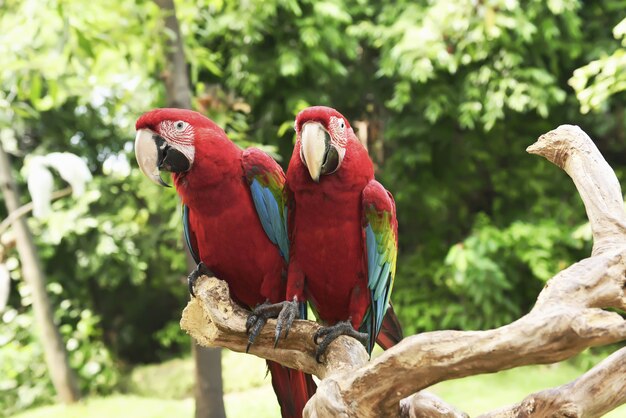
(600, 390)
(427, 405)
(213, 319)
(568, 317)
(570, 148)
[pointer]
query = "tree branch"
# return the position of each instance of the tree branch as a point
(214, 320)
(571, 149)
(568, 317)
(588, 396)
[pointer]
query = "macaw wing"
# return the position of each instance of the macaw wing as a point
(267, 182)
(381, 241)
(190, 237)
(267, 186)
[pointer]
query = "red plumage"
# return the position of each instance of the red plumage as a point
(226, 232)
(328, 255)
(326, 235)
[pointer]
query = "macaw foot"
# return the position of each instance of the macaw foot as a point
(288, 313)
(200, 270)
(334, 331)
(285, 312)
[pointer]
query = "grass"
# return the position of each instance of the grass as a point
(165, 391)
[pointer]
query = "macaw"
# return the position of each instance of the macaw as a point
(233, 217)
(343, 233)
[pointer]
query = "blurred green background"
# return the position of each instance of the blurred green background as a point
(447, 94)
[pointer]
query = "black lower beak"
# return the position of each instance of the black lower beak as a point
(331, 157)
(169, 158)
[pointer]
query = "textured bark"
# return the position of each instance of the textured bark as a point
(175, 75)
(426, 405)
(600, 390)
(214, 320)
(568, 317)
(61, 374)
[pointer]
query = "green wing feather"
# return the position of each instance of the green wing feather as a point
(381, 244)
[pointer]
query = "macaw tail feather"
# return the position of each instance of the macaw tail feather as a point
(391, 331)
(293, 389)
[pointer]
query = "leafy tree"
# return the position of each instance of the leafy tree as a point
(450, 94)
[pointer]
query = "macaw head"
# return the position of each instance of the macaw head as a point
(323, 134)
(166, 141)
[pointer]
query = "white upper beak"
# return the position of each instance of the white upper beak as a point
(313, 148)
(147, 155)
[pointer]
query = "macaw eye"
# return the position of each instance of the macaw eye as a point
(341, 124)
(180, 125)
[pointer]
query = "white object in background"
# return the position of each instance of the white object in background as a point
(5, 286)
(40, 186)
(72, 169)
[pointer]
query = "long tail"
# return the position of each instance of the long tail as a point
(391, 331)
(293, 389)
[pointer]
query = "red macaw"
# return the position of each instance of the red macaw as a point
(234, 219)
(343, 232)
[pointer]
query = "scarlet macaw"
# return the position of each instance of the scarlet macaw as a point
(234, 218)
(343, 232)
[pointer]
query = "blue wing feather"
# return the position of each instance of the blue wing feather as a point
(187, 233)
(266, 180)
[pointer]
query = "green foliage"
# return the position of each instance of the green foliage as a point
(602, 78)
(474, 61)
(495, 272)
(24, 380)
(112, 232)
(23, 374)
(455, 91)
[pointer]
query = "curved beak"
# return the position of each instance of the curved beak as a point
(149, 151)
(315, 148)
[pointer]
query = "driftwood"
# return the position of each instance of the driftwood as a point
(595, 393)
(567, 318)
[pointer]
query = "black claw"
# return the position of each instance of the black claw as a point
(191, 281)
(255, 330)
(200, 270)
(250, 321)
(334, 331)
(285, 319)
(257, 319)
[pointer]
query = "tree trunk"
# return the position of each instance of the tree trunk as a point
(208, 392)
(61, 374)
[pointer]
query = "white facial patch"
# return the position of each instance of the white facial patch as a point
(180, 136)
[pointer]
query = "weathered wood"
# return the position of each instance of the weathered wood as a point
(214, 320)
(600, 390)
(567, 318)
(427, 405)
(571, 149)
